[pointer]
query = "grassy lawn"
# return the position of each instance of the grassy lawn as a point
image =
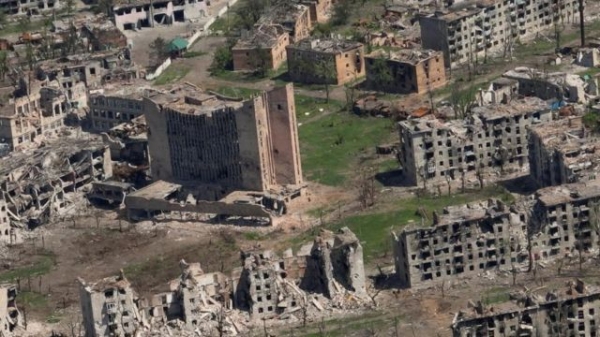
(42, 264)
(495, 296)
(331, 144)
(192, 54)
(174, 73)
(374, 228)
(237, 92)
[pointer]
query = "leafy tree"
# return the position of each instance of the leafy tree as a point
(69, 6)
(3, 64)
(24, 24)
(2, 18)
(462, 100)
(104, 6)
(341, 13)
(326, 71)
(250, 12)
(222, 58)
(381, 75)
(258, 61)
(158, 52)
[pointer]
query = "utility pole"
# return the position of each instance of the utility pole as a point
(581, 25)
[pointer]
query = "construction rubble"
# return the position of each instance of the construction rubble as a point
(324, 277)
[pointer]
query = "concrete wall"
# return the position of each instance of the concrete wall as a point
(284, 135)
(158, 142)
(349, 65)
(254, 146)
(434, 35)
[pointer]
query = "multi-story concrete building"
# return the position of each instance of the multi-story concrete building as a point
(262, 48)
(307, 58)
(10, 318)
(562, 312)
(251, 146)
(144, 13)
(8, 234)
(463, 241)
(29, 7)
(109, 307)
(320, 10)
(109, 109)
(294, 18)
(103, 35)
(407, 71)
(494, 135)
(468, 32)
(563, 152)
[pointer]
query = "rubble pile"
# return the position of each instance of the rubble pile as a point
(324, 277)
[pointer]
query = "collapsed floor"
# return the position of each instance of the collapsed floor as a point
(324, 276)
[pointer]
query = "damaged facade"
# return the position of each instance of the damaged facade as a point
(10, 317)
(549, 86)
(132, 15)
(494, 135)
(40, 184)
(468, 240)
(294, 18)
(470, 30)
(411, 71)
(325, 275)
(560, 312)
(463, 241)
(346, 57)
(563, 151)
(261, 48)
(29, 7)
(251, 162)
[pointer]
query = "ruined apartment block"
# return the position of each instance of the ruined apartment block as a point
(306, 57)
(8, 234)
(36, 185)
(38, 110)
(250, 145)
(564, 312)
(103, 35)
(294, 18)
(463, 241)
(468, 32)
(327, 272)
(138, 14)
(29, 7)
(494, 135)
(109, 307)
(562, 152)
(549, 86)
(320, 10)
(263, 47)
(564, 219)
(111, 108)
(413, 71)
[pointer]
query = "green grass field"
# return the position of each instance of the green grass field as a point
(42, 265)
(173, 73)
(331, 145)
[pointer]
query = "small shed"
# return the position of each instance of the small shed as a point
(177, 46)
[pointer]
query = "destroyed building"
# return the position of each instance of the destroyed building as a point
(564, 219)
(207, 152)
(10, 317)
(494, 135)
(307, 58)
(29, 7)
(411, 71)
(8, 234)
(469, 31)
(560, 312)
(327, 274)
(500, 91)
(109, 307)
(588, 57)
(39, 184)
(549, 86)
(463, 241)
(320, 10)
(563, 151)
(261, 48)
(293, 17)
(132, 15)
(109, 108)
(103, 35)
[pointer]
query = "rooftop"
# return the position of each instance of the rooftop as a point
(559, 78)
(113, 282)
(264, 36)
(412, 56)
(283, 13)
(463, 9)
(473, 211)
(326, 45)
(556, 195)
(513, 108)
